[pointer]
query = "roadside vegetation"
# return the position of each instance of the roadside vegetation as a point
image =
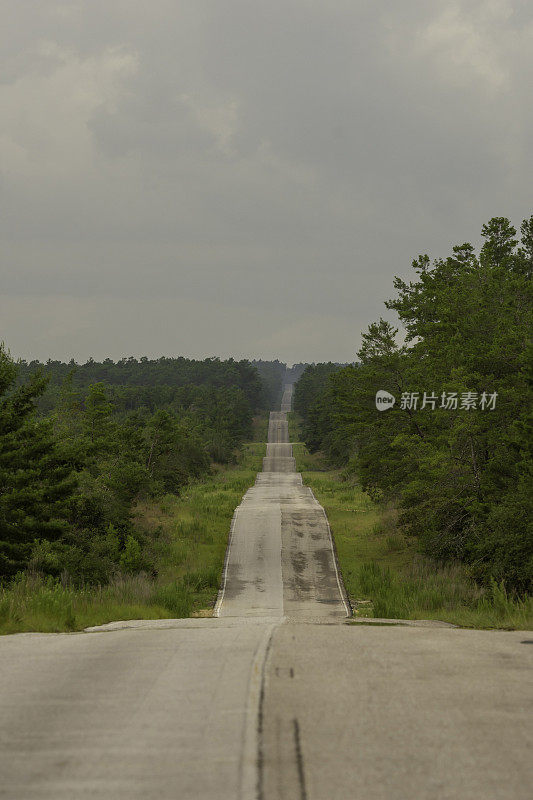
(452, 468)
(112, 509)
(183, 537)
(385, 574)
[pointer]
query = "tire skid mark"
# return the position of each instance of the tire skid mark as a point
(253, 758)
(299, 759)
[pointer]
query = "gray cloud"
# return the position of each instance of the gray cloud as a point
(216, 178)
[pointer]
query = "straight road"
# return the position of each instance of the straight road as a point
(278, 696)
(280, 558)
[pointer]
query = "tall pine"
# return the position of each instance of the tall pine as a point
(36, 483)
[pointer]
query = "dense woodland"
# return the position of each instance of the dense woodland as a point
(459, 470)
(81, 444)
(149, 384)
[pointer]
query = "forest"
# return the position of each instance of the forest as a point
(82, 445)
(454, 452)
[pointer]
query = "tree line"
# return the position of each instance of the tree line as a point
(150, 383)
(454, 451)
(81, 444)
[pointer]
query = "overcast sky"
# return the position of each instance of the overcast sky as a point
(230, 177)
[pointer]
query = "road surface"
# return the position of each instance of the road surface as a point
(276, 697)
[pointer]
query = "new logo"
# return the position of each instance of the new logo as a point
(384, 400)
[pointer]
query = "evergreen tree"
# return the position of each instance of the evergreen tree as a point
(35, 482)
(462, 479)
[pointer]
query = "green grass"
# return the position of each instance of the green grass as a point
(384, 574)
(185, 537)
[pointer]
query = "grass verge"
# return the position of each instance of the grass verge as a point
(185, 538)
(384, 574)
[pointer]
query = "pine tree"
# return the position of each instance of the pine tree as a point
(35, 482)
(461, 479)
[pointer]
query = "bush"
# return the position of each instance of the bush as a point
(132, 559)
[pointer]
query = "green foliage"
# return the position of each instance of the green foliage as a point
(36, 482)
(462, 479)
(184, 537)
(103, 438)
(311, 404)
(175, 598)
(133, 384)
(385, 574)
(131, 559)
(420, 594)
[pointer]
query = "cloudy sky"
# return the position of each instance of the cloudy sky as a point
(230, 177)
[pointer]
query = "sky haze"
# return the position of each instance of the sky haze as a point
(232, 178)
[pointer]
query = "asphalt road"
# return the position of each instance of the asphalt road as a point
(278, 697)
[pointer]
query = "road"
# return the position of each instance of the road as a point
(278, 696)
